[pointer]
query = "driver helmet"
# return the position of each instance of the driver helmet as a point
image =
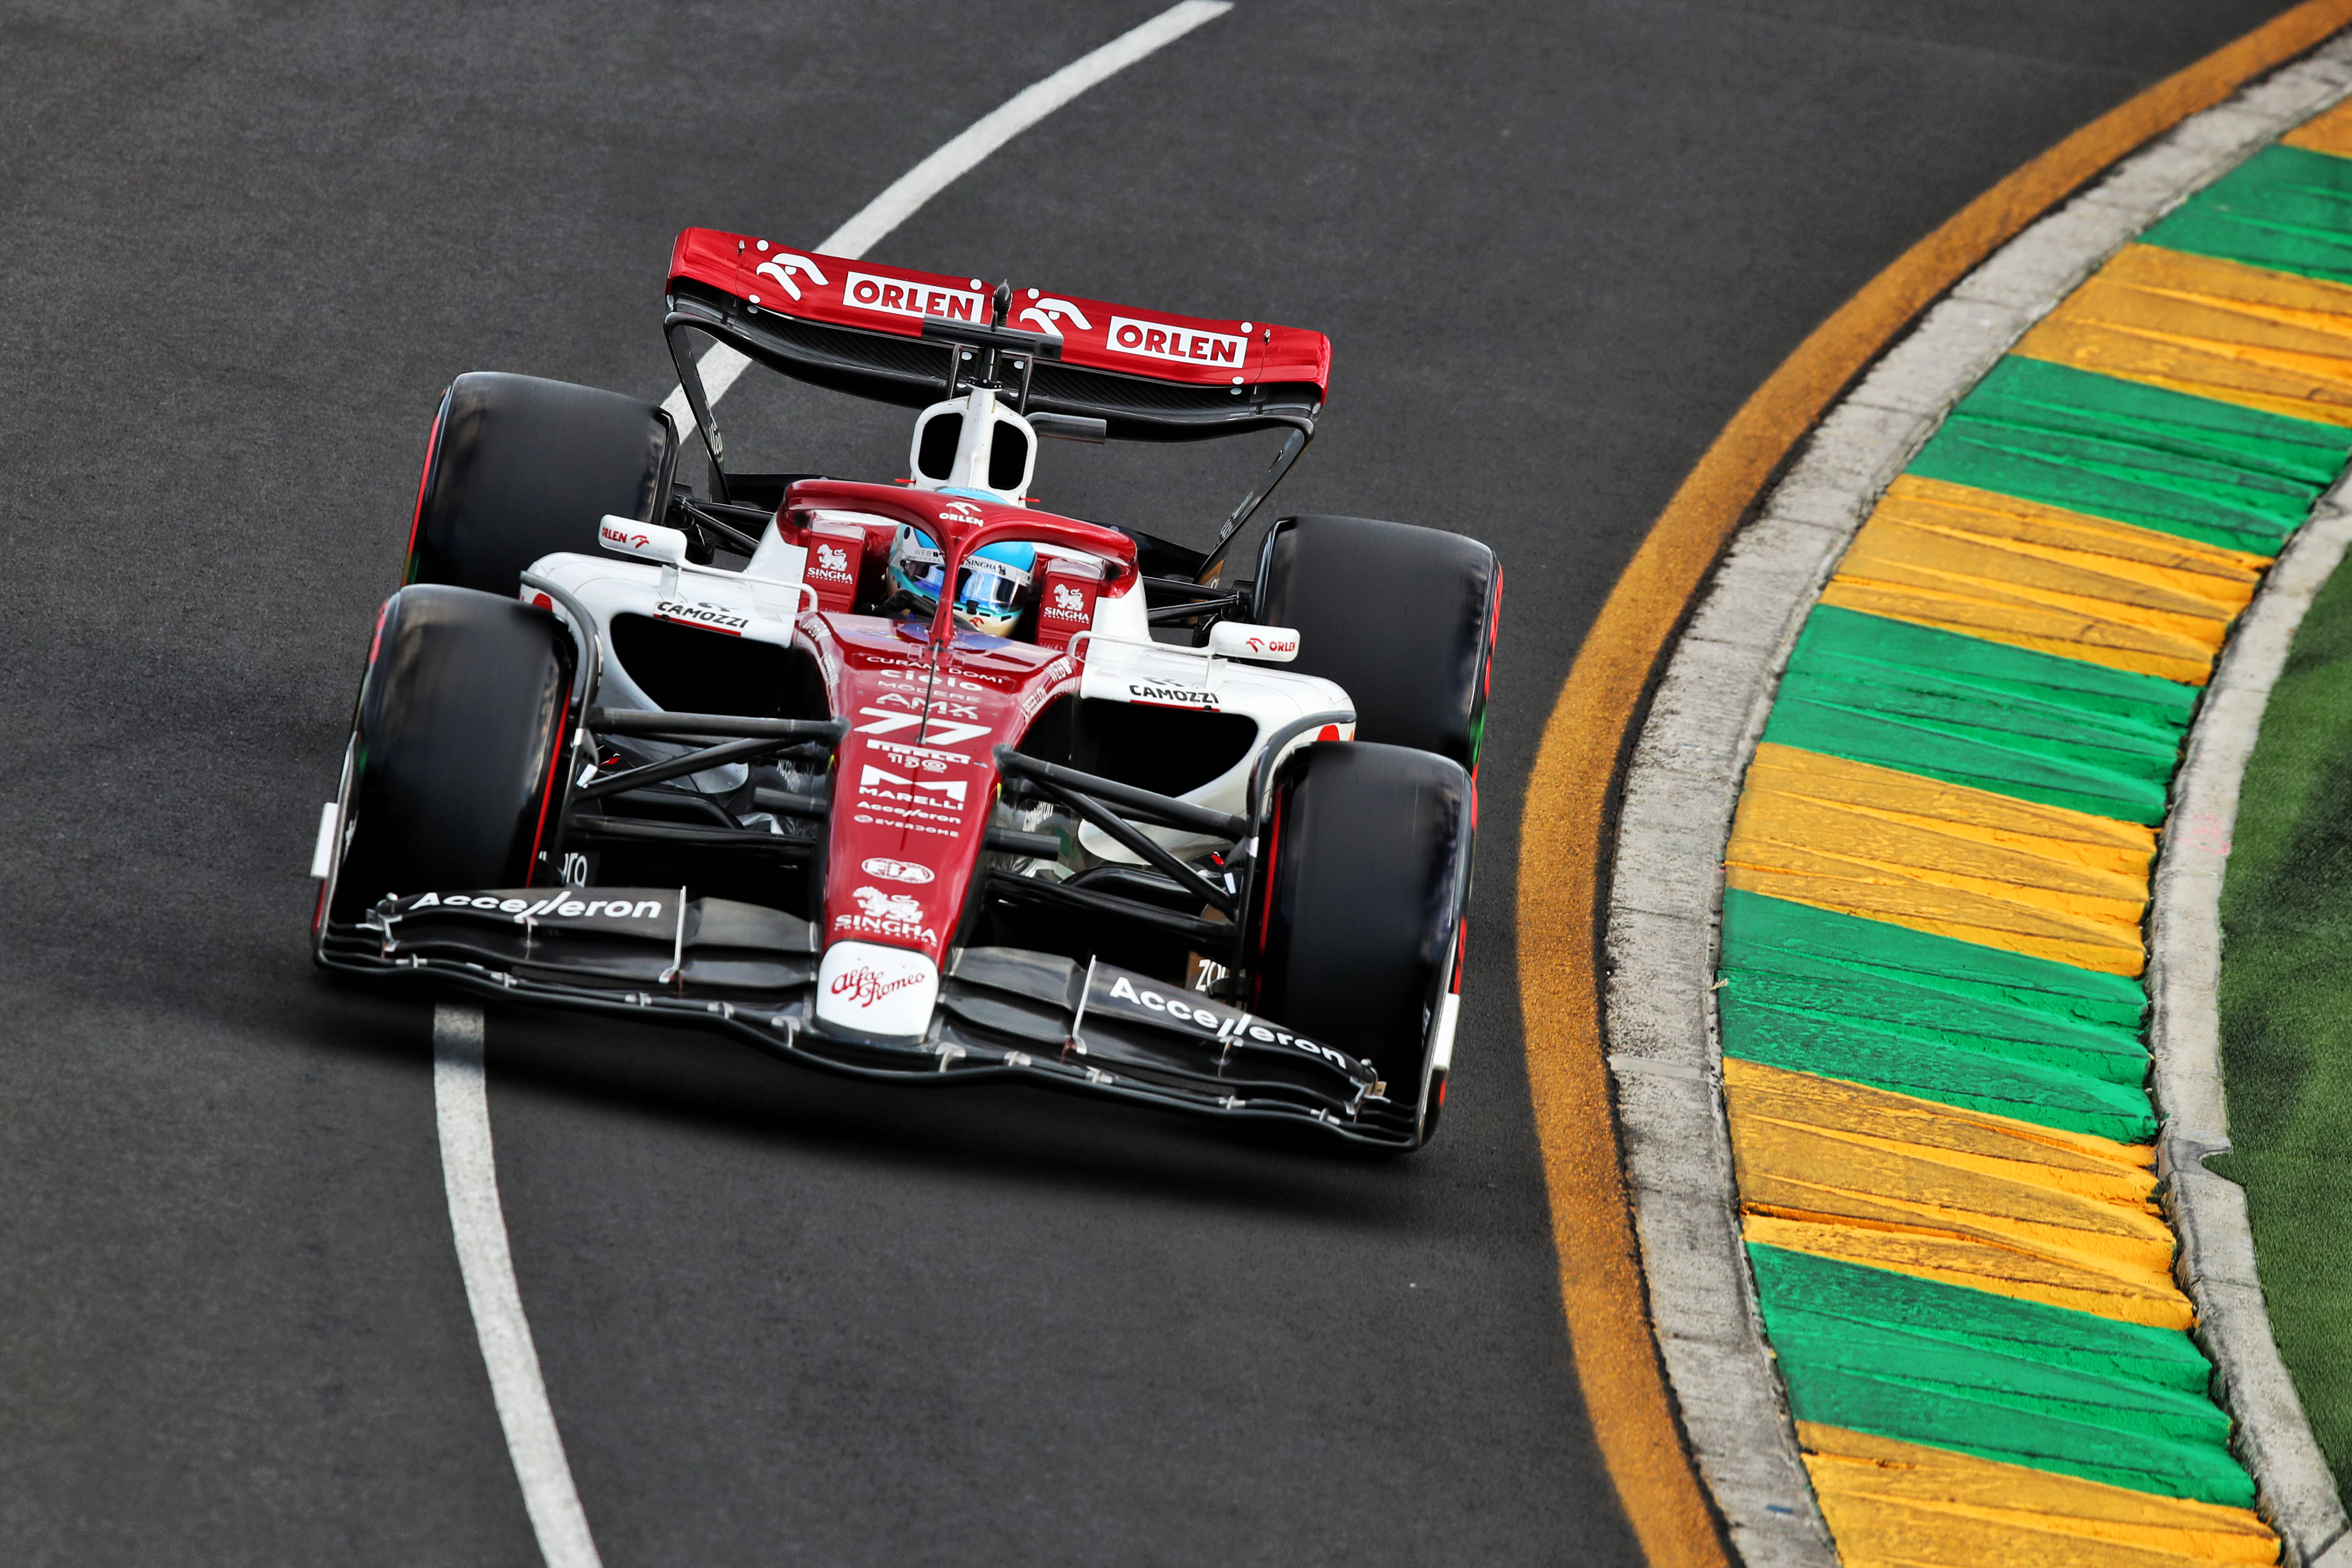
(993, 589)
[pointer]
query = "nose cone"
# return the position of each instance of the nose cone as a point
(866, 991)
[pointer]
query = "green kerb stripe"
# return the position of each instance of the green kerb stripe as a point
(1870, 1002)
(2013, 1381)
(2286, 208)
(1984, 714)
(2187, 465)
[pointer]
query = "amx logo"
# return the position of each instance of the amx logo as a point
(1048, 313)
(782, 266)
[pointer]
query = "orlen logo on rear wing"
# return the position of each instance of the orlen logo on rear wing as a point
(1095, 333)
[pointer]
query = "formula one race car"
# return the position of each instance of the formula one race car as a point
(913, 781)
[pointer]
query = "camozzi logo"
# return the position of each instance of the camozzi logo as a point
(1181, 697)
(1154, 340)
(865, 984)
(891, 870)
(710, 617)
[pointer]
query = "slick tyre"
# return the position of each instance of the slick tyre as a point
(452, 777)
(518, 467)
(1404, 617)
(1356, 921)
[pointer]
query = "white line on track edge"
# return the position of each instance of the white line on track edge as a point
(461, 1106)
(469, 1174)
(720, 365)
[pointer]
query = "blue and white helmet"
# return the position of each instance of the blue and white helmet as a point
(994, 587)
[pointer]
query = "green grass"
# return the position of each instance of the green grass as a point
(2286, 1013)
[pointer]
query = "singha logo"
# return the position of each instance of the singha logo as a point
(1069, 599)
(875, 904)
(1048, 314)
(781, 267)
(830, 558)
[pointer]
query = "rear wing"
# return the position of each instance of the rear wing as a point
(858, 327)
(916, 338)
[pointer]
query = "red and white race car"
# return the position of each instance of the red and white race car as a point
(913, 780)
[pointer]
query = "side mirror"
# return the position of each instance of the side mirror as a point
(1267, 644)
(645, 540)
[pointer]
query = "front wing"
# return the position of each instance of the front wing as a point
(750, 972)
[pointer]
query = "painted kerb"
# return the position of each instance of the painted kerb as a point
(1666, 893)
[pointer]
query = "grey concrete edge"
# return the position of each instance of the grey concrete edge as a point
(1666, 893)
(2216, 1260)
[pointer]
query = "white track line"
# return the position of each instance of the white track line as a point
(470, 1175)
(461, 1108)
(720, 365)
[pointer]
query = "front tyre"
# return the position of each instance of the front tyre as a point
(453, 778)
(1356, 917)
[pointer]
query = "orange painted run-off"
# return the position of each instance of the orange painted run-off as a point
(1565, 827)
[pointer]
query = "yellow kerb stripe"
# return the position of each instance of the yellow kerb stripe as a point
(1894, 1503)
(2211, 329)
(2015, 571)
(1941, 858)
(1869, 1176)
(2331, 133)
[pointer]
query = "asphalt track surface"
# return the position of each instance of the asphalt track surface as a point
(784, 1319)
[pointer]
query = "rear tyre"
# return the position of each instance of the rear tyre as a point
(520, 467)
(1401, 617)
(1356, 921)
(452, 778)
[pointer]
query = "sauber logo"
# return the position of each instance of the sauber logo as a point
(896, 871)
(875, 904)
(782, 266)
(710, 617)
(830, 559)
(916, 300)
(865, 984)
(1048, 314)
(622, 537)
(1069, 599)
(1176, 696)
(1153, 341)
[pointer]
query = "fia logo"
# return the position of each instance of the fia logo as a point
(891, 870)
(1048, 314)
(1067, 599)
(781, 267)
(830, 559)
